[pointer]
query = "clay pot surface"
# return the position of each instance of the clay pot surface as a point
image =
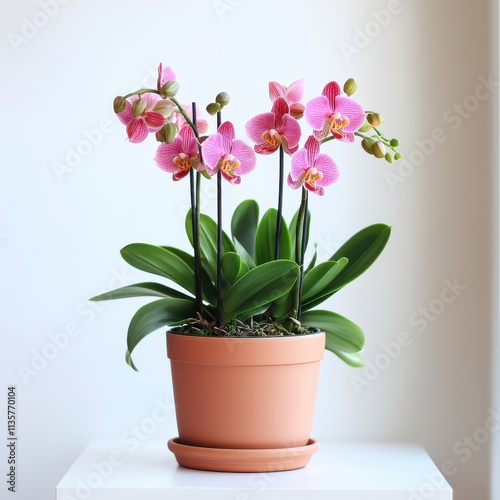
(245, 393)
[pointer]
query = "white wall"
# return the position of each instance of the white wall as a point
(60, 234)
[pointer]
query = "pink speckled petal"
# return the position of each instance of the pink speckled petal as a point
(331, 91)
(328, 168)
(291, 130)
(295, 92)
(352, 110)
(137, 130)
(213, 150)
(245, 155)
(259, 124)
(276, 90)
(317, 111)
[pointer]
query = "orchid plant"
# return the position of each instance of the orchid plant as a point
(253, 281)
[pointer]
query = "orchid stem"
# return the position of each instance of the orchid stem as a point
(218, 318)
(280, 206)
(300, 246)
(195, 220)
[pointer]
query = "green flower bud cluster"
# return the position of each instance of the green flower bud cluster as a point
(222, 99)
(376, 144)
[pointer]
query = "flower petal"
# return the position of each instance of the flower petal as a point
(317, 111)
(226, 130)
(299, 164)
(352, 110)
(295, 184)
(166, 153)
(280, 107)
(245, 155)
(137, 130)
(331, 91)
(276, 90)
(126, 116)
(312, 148)
(154, 121)
(291, 130)
(259, 124)
(213, 150)
(328, 168)
(295, 92)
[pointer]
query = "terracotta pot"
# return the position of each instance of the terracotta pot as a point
(245, 393)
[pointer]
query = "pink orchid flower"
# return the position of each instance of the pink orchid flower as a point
(150, 120)
(180, 121)
(292, 94)
(269, 130)
(335, 113)
(313, 170)
(164, 75)
(180, 155)
(233, 157)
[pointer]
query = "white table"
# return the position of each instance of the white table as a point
(108, 470)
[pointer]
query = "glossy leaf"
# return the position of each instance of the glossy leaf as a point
(244, 225)
(245, 256)
(341, 333)
(208, 288)
(362, 250)
(155, 315)
(142, 290)
(265, 239)
(233, 268)
(260, 286)
(351, 358)
(158, 260)
(317, 282)
(208, 243)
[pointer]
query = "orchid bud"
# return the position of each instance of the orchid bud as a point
(388, 157)
(297, 110)
(365, 127)
(350, 86)
(164, 107)
(374, 119)
(169, 89)
(139, 106)
(222, 99)
(394, 143)
(119, 104)
(213, 108)
(378, 149)
(367, 145)
(170, 131)
(398, 156)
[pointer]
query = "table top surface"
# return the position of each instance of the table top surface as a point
(351, 470)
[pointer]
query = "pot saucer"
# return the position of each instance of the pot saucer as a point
(242, 460)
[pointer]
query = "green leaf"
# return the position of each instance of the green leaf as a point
(352, 359)
(341, 333)
(260, 286)
(153, 316)
(244, 225)
(317, 282)
(265, 239)
(157, 260)
(142, 290)
(362, 250)
(233, 268)
(208, 243)
(208, 288)
(245, 256)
